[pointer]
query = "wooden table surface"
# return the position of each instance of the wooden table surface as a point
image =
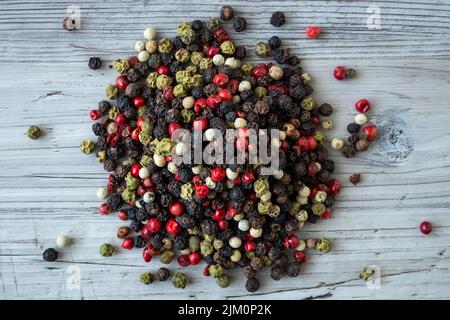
(47, 187)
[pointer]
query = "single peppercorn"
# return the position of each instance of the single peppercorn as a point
(355, 178)
(252, 285)
(50, 255)
(179, 280)
(366, 273)
(34, 132)
(162, 274)
(274, 42)
(353, 128)
(146, 278)
(239, 24)
(223, 281)
(278, 19)
(95, 63)
(106, 250)
(226, 13)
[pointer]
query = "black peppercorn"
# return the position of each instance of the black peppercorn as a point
(50, 255)
(348, 151)
(95, 63)
(326, 109)
(162, 274)
(252, 285)
(239, 24)
(115, 201)
(197, 25)
(140, 242)
(278, 19)
(274, 42)
(353, 128)
(104, 106)
(293, 269)
(276, 273)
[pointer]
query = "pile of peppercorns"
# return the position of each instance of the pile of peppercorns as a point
(225, 215)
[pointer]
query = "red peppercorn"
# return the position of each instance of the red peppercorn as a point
(172, 127)
(135, 134)
(139, 101)
(259, 71)
(291, 241)
(212, 51)
(145, 232)
(176, 208)
(425, 227)
(183, 260)
(221, 79)
(218, 174)
(127, 243)
(206, 271)
(233, 86)
(221, 35)
(241, 144)
(312, 32)
(219, 214)
(168, 93)
(139, 123)
(315, 120)
(340, 73)
(200, 124)
(153, 224)
(231, 212)
(122, 215)
(312, 169)
(335, 187)
(201, 191)
(327, 214)
(370, 132)
(249, 246)
(146, 254)
(299, 256)
(225, 94)
(120, 119)
(247, 177)
(303, 143)
(95, 114)
(223, 224)
(362, 105)
(133, 60)
(104, 208)
(312, 143)
(135, 169)
(122, 82)
(147, 183)
(214, 101)
(277, 88)
(172, 227)
(163, 70)
(194, 258)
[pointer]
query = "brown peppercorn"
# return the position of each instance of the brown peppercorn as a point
(162, 274)
(348, 151)
(95, 63)
(69, 24)
(326, 109)
(226, 13)
(355, 178)
(362, 145)
(311, 243)
(252, 285)
(123, 232)
(293, 269)
(248, 272)
(256, 264)
(276, 272)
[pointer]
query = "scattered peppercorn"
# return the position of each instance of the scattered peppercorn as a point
(274, 42)
(95, 63)
(226, 13)
(146, 278)
(106, 250)
(69, 24)
(34, 132)
(162, 274)
(426, 227)
(355, 178)
(50, 255)
(252, 285)
(239, 24)
(278, 19)
(179, 280)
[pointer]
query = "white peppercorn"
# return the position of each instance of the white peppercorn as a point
(102, 193)
(360, 119)
(218, 60)
(139, 46)
(62, 241)
(337, 143)
(143, 56)
(150, 34)
(235, 242)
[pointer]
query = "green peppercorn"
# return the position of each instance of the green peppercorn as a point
(187, 116)
(212, 24)
(165, 45)
(350, 73)
(366, 273)
(151, 79)
(183, 55)
(179, 280)
(196, 57)
(111, 91)
(247, 68)
(121, 65)
(87, 146)
(180, 91)
(33, 132)
(186, 191)
(227, 47)
(216, 270)
(262, 49)
(308, 104)
(318, 208)
(113, 112)
(146, 278)
(166, 256)
(206, 63)
(106, 250)
(132, 182)
(206, 248)
(188, 36)
(129, 195)
(194, 243)
(260, 92)
(323, 245)
(163, 81)
(261, 186)
(223, 281)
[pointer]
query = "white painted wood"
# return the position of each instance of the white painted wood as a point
(47, 187)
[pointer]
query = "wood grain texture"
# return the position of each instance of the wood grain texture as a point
(47, 187)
